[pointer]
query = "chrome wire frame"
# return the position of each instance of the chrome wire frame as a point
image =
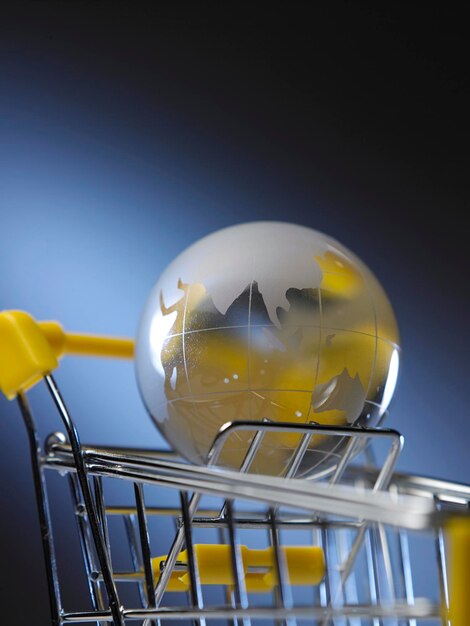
(346, 500)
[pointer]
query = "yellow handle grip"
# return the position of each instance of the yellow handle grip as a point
(305, 566)
(85, 345)
(29, 349)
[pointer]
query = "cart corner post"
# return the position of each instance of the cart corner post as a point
(458, 540)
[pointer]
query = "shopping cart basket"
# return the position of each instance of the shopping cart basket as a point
(212, 545)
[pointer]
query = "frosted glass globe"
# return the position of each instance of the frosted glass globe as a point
(266, 320)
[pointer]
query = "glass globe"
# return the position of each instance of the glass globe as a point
(266, 320)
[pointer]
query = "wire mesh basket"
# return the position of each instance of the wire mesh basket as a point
(163, 540)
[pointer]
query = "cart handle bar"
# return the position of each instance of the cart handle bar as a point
(30, 349)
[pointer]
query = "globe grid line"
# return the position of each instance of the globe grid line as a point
(338, 442)
(320, 339)
(374, 309)
(247, 391)
(250, 298)
(334, 328)
(184, 354)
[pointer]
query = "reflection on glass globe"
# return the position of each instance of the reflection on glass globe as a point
(266, 320)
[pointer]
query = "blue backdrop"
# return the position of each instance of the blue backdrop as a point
(115, 154)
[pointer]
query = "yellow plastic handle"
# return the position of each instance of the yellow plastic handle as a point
(29, 349)
(85, 345)
(305, 566)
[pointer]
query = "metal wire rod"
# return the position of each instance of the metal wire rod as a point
(72, 433)
(423, 609)
(193, 569)
(239, 590)
(44, 515)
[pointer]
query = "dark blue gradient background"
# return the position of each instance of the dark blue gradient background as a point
(127, 132)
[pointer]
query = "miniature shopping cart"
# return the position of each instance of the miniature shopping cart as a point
(162, 540)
